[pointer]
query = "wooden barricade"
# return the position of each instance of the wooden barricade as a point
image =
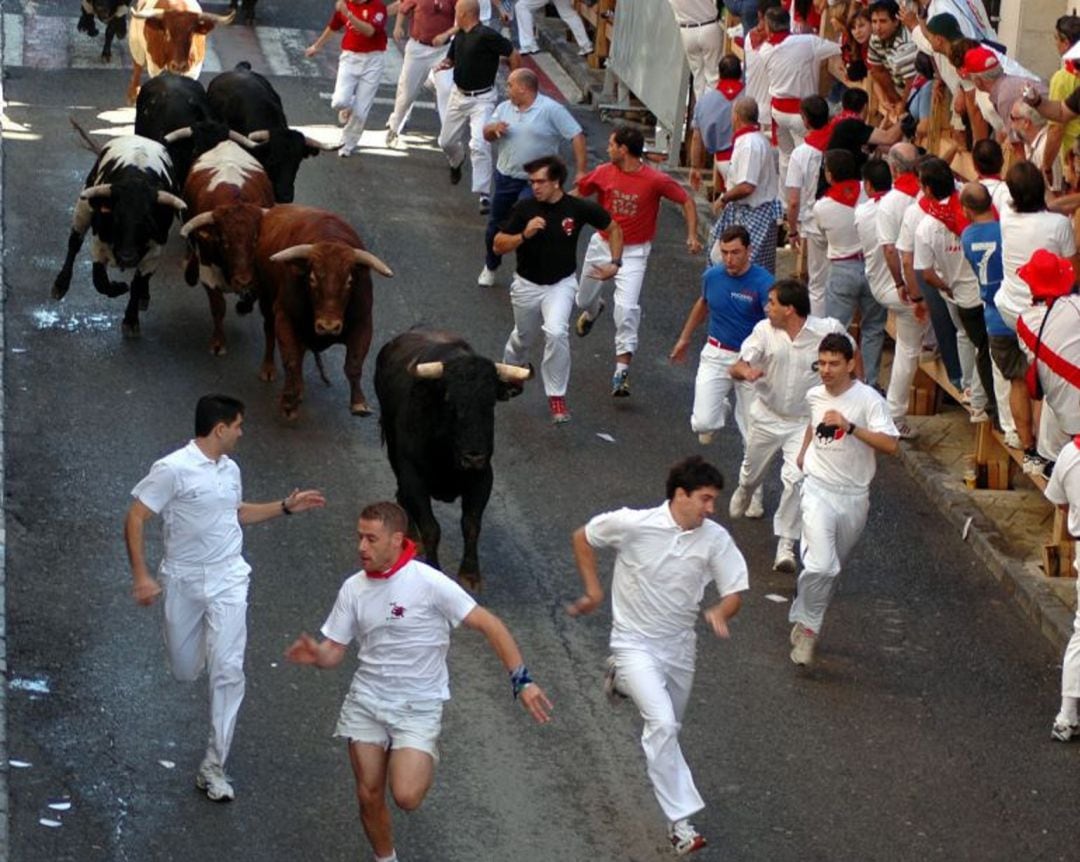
(600, 20)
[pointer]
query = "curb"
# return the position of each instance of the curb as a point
(4, 805)
(1026, 586)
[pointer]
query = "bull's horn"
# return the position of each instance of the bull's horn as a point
(513, 373)
(319, 145)
(171, 200)
(148, 13)
(201, 220)
(368, 259)
(242, 140)
(259, 137)
(218, 19)
(104, 191)
(178, 134)
(428, 370)
(293, 252)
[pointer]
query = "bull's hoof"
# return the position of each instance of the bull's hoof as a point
(144, 301)
(86, 25)
(130, 330)
(290, 413)
(132, 95)
(217, 348)
(360, 408)
(267, 372)
(106, 57)
(115, 289)
(61, 285)
(471, 581)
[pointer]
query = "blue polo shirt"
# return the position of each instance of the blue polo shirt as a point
(735, 303)
(537, 131)
(982, 248)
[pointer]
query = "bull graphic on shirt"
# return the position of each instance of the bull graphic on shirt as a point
(397, 611)
(568, 226)
(829, 433)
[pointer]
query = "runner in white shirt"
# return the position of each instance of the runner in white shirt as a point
(198, 494)
(939, 259)
(849, 422)
(801, 184)
(400, 613)
(877, 185)
(665, 557)
(779, 357)
(757, 78)
(702, 40)
(793, 64)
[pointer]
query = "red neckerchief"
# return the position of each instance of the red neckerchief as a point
(730, 87)
(1076, 440)
(745, 130)
(908, 184)
(876, 196)
(845, 192)
(949, 212)
(757, 37)
(777, 38)
(408, 551)
(819, 138)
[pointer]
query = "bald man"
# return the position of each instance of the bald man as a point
(527, 126)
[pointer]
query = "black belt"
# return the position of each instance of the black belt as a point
(476, 92)
(699, 24)
(426, 44)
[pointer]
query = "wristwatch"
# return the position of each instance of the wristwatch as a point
(616, 261)
(851, 429)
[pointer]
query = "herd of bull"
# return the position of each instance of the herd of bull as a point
(225, 159)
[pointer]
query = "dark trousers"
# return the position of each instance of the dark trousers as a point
(507, 191)
(944, 330)
(974, 324)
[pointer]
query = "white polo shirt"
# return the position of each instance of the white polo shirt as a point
(804, 169)
(939, 249)
(890, 215)
(790, 365)
(199, 501)
(1060, 335)
(401, 625)
(693, 11)
(913, 216)
(661, 570)
(1063, 489)
(752, 161)
(757, 80)
(999, 194)
(1021, 235)
(878, 275)
(835, 457)
(837, 222)
(793, 67)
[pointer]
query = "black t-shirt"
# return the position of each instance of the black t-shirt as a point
(550, 255)
(852, 135)
(475, 55)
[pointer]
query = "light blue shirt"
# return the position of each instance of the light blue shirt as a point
(535, 132)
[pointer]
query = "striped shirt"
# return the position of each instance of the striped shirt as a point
(897, 55)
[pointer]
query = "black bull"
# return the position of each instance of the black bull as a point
(437, 412)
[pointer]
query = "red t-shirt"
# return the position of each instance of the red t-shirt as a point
(373, 13)
(633, 199)
(429, 18)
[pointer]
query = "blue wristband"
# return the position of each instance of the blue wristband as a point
(519, 678)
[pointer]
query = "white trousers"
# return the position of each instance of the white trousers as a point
(712, 386)
(703, 47)
(527, 34)
(966, 350)
(475, 112)
(1002, 387)
(358, 77)
(416, 66)
(832, 521)
(770, 433)
(542, 308)
(909, 340)
(790, 133)
(1070, 666)
(628, 280)
(817, 268)
(657, 675)
(206, 626)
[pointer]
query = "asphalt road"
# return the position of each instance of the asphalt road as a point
(923, 731)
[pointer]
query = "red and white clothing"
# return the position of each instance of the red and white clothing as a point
(757, 77)
(835, 495)
(803, 173)
(421, 56)
(661, 572)
(359, 67)
(1058, 370)
(1064, 489)
(1021, 235)
(890, 213)
(836, 219)
(633, 199)
(702, 39)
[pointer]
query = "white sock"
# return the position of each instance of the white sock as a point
(391, 858)
(1068, 712)
(621, 366)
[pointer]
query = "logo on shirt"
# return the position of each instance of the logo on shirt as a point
(396, 612)
(830, 433)
(624, 203)
(568, 226)
(378, 17)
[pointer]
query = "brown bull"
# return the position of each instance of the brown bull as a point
(314, 291)
(228, 191)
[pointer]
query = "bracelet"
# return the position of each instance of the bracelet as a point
(519, 679)
(851, 428)
(285, 509)
(917, 299)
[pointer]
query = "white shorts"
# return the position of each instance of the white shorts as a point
(391, 725)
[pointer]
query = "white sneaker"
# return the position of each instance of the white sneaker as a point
(803, 641)
(756, 509)
(740, 500)
(979, 415)
(391, 139)
(785, 557)
(1062, 731)
(486, 277)
(1033, 464)
(685, 838)
(1012, 440)
(705, 437)
(211, 778)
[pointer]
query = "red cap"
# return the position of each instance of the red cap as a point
(1048, 275)
(977, 61)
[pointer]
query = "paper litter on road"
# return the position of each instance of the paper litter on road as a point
(19, 764)
(773, 597)
(168, 764)
(52, 824)
(967, 529)
(38, 686)
(60, 803)
(603, 436)
(273, 664)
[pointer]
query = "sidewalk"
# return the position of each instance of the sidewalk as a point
(1005, 529)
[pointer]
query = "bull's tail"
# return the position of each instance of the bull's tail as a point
(87, 142)
(322, 371)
